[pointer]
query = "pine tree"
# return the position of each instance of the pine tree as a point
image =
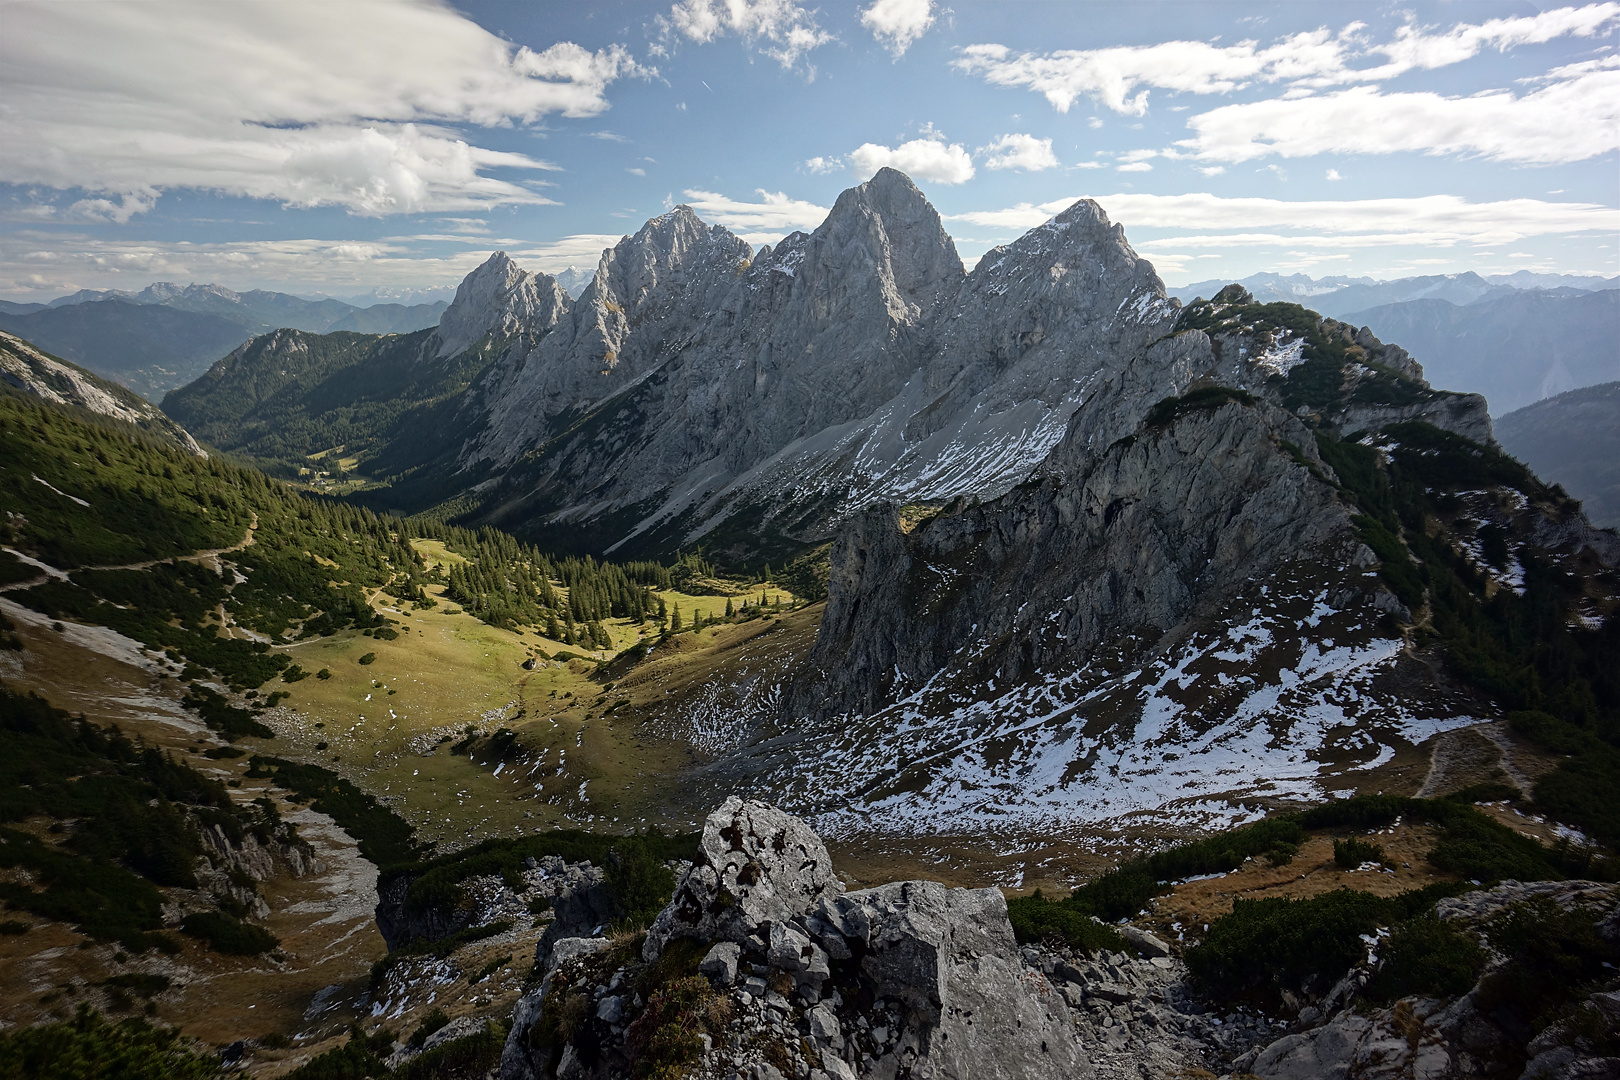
(729, 610)
(675, 620)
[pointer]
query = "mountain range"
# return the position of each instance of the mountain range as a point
(1339, 296)
(1071, 521)
(166, 335)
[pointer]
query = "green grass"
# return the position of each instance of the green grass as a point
(1469, 844)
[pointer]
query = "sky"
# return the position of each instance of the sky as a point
(358, 147)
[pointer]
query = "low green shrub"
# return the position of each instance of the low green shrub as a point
(1037, 918)
(88, 1046)
(1277, 942)
(140, 982)
(1171, 409)
(1427, 956)
(470, 1057)
(1553, 957)
(439, 887)
(432, 1022)
(384, 837)
(359, 1058)
(1349, 854)
(228, 934)
(442, 947)
(638, 879)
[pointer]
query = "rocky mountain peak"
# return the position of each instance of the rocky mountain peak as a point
(499, 298)
(888, 225)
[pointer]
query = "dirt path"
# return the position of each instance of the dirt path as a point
(1472, 755)
(48, 571)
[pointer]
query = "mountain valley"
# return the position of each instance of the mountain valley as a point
(1132, 616)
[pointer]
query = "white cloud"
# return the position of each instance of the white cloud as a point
(1433, 219)
(275, 101)
(58, 262)
(928, 158)
(1019, 152)
(823, 165)
(1135, 166)
(633, 171)
(898, 23)
(1110, 76)
(780, 29)
(1570, 120)
(1212, 170)
(1120, 78)
(1333, 174)
(763, 222)
(583, 250)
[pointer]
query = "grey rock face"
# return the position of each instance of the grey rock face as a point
(720, 962)
(499, 300)
(518, 1056)
(948, 956)
(756, 868)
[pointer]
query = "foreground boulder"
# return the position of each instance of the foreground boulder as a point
(756, 867)
(762, 966)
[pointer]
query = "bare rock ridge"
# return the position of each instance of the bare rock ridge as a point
(28, 370)
(763, 966)
(909, 979)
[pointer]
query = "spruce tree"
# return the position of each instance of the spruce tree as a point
(675, 620)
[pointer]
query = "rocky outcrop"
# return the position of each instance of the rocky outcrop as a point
(576, 903)
(38, 374)
(906, 980)
(756, 869)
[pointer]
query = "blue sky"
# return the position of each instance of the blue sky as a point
(337, 148)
